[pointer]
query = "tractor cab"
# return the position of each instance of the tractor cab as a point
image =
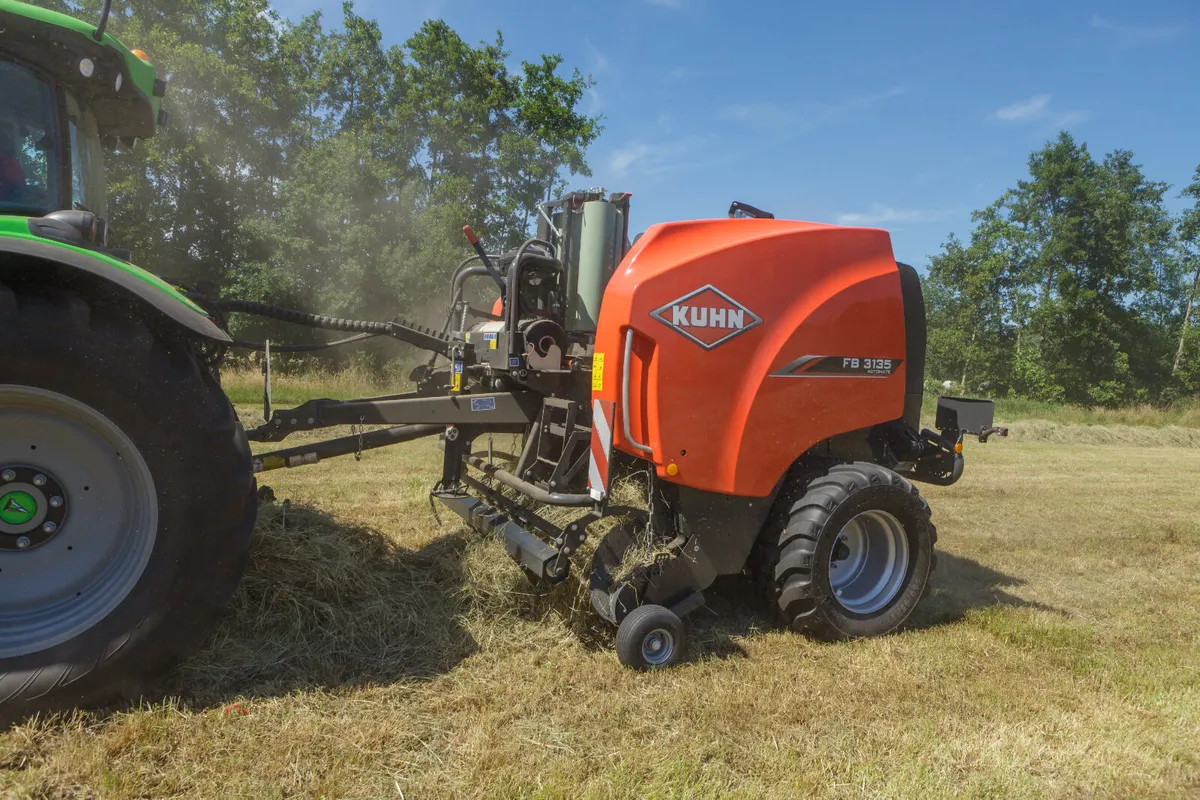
(50, 153)
(69, 90)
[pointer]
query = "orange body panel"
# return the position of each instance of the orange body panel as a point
(720, 385)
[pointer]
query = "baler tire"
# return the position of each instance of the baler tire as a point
(651, 637)
(64, 355)
(798, 568)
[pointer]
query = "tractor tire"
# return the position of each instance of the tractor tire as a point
(854, 555)
(130, 501)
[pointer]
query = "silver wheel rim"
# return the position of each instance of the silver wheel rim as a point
(869, 562)
(55, 591)
(657, 646)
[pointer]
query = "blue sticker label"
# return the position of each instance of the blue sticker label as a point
(457, 367)
(514, 362)
(483, 404)
(487, 337)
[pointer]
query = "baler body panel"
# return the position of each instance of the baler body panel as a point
(753, 341)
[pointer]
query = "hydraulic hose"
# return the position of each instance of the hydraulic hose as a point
(956, 471)
(302, 317)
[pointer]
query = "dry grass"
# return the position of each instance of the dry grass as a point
(376, 652)
(1184, 414)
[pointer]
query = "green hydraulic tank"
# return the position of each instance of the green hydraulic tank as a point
(597, 255)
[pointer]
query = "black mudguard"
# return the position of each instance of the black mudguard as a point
(71, 265)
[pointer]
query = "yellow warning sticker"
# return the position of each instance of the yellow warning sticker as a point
(456, 382)
(598, 372)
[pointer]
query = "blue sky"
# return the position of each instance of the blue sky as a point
(905, 116)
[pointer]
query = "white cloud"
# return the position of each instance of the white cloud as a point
(1033, 108)
(764, 114)
(886, 215)
(1038, 109)
(1069, 118)
(801, 118)
(651, 159)
(599, 60)
(1137, 33)
(674, 4)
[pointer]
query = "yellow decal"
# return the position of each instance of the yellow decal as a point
(456, 382)
(598, 372)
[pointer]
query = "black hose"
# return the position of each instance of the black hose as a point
(301, 317)
(512, 312)
(261, 347)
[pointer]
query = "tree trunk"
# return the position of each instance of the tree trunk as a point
(1187, 318)
(962, 385)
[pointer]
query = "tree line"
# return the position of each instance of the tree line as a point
(318, 168)
(1077, 285)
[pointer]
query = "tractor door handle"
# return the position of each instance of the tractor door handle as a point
(625, 395)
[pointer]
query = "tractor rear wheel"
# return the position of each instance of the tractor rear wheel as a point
(126, 501)
(854, 555)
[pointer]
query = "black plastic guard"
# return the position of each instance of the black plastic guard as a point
(718, 533)
(965, 414)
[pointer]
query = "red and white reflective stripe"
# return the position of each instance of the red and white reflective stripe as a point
(603, 412)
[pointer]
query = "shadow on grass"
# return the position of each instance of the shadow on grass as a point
(327, 605)
(960, 585)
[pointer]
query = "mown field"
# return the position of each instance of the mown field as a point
(375, 651)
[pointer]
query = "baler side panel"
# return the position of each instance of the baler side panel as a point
(707, 394)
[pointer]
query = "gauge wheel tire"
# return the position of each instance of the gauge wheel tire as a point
(651, 637)
(854, 555)
(142, 461)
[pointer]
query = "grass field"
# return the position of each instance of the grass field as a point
(375, 652)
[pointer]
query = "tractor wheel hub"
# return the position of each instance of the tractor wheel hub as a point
(33, 507)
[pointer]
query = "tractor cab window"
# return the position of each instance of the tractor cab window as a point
(28, 142)
(87, 160)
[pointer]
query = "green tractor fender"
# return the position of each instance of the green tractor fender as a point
(81, 267)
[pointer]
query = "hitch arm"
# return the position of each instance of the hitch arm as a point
(316, 451)
(496, 411)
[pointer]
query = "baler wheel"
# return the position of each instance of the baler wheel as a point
(650, 637)
(854, 556)
(130, 500)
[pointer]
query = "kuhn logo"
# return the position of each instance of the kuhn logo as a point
(707, 316)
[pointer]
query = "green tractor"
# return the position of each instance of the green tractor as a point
(127, 499)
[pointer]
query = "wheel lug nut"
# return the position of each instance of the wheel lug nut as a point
(49, 527)
(8, 475)
(23, 542)
(39, 480)
(56, 502)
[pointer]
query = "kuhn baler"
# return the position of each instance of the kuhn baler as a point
(765, 375)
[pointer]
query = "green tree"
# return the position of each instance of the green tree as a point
(323, 169)
(1067, 289)
(1186, 365)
